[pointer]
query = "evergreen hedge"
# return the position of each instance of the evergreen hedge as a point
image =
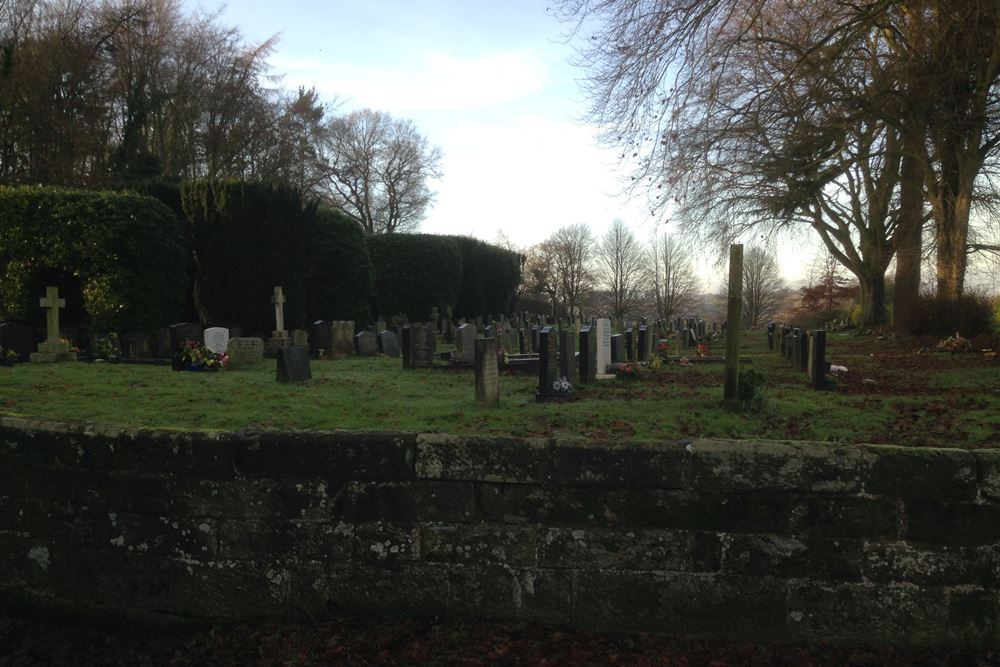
(339, 277)
(247, 238)
(490, 278)
(414, 273)
(118, 257)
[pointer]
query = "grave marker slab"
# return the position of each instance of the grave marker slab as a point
(293, 364)
(366, 344)
(548, 363)
(389, 344)
(342, 337)
(216, 339)
(618, 349)
(817, 359)
(487, 376)
(567, 356)
(588, 354)
(244, 352)
(180, 334)
(602, 331)
(320, 338)
(465, 343)
(299, 338)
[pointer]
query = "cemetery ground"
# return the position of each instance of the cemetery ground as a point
(894, 392)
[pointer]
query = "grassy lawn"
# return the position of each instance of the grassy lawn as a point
(891, 394)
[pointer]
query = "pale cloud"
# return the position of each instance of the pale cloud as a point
(428, 82)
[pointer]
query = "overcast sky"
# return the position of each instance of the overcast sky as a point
(488, 82)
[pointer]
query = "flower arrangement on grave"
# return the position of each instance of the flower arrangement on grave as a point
(663, 350)
(625, 370)
(503, 357)
(702, 350)
(8, 357)
(562, 386)
(954, 344)
(194, 357)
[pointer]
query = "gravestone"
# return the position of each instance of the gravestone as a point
(320, 338)
(522, 343)
(548, 363)
(487, 377)
(489, 331)
(293, 364)
(52, 348)
(602, 330)
(770, 336)
(588, 354)
(795, 348)
(161, 343)
(630, 344)
(180, 334)
(342, 337)
(366, 344)
(817, 359)
(567, 356)
(216, 339)
(465, 343)
(645, 343)
(423, 346)
(299, 338)
(802, 353)
(245, 352)
(618, 349)
(279, 337)
(137, 345)
(19, 337)
(389, 344)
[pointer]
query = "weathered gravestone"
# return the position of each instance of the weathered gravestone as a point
(618, 349)
(366, 344)
(19, 337)
(770, 336)
(299, 338)
(465, 343)
(388, 344)
(216, 339)
(293, 364)
(817, 359)
(588, 354)
(602, 329)
(53, 348)
(630, 344)
(489, 331)
(279, 337)
(567, 355)
(342, 337)
(487, 377)
(180, 335)
(245, 352)
(548, 364)
(802, 354)
(137, 345)
(319, 338)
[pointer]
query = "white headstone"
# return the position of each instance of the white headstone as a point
(603, 329)
(217, 339)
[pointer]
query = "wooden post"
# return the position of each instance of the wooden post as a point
(731, 393)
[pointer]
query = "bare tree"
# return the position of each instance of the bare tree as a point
(675, 285)
(621, 267)
(378, 170)
(763, 288)
(573, 250)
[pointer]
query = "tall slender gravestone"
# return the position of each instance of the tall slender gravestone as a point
(770, 336)
(802, 354)
(548, 363)
(588, 354)
(602, 331)
(734, 314)
(487, 377)
(630, 351)
(279, 337)
(817, 359)
(567, 355)
(53, 348)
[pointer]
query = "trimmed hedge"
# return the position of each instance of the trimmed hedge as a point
(247, 238)
(414, 273)
(339, 278)
(120, 255)
(490, 278)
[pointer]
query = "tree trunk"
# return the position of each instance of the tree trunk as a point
(872, 289)
(909, 242)
(952, 235)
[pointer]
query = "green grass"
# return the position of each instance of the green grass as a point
(916, 399)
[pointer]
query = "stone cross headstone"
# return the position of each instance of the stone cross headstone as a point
(567, 355)
(588, 354)
(487, 377)
(279, 337)
(293, 364)
(245, 352)
(602, 331)
(465, 343)
(548, 363)
(53, 348)
(217, 339)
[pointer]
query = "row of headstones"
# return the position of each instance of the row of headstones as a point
(804, 350)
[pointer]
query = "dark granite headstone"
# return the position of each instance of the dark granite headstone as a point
(618, 349)
(137, 345)
(424, 346)
(796, 348)
(366, 344)
(320, 338)
(567, 355)
(293, 364)
(645, 343)
(802, 354)
(770, 336)
(389, 344)
(548, 363)
(522, 346)
(630, 344)
(588, 355)
(180, 334)
(489, 331)
(18, 336)
(817, 359)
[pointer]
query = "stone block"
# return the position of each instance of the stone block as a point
(518, 460)
(334, 456)
(406, 502)
(255, 499)
(794, 557)
(905, 562)
(629, 464)
(763, 466)
(934, 522)
(258, 540)
(411, 591)
(386, 544)
(915, 472)
(665, 550)
(478, 544)
(532, 595)
(851, 517)
(988, 462)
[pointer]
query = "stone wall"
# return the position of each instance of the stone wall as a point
(734, 539)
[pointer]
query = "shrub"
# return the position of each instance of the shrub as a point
(247, 238)
(339, 276)
(970, 316)
(414, 273)
(751, 391)
(119, 257)
(490, 278)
